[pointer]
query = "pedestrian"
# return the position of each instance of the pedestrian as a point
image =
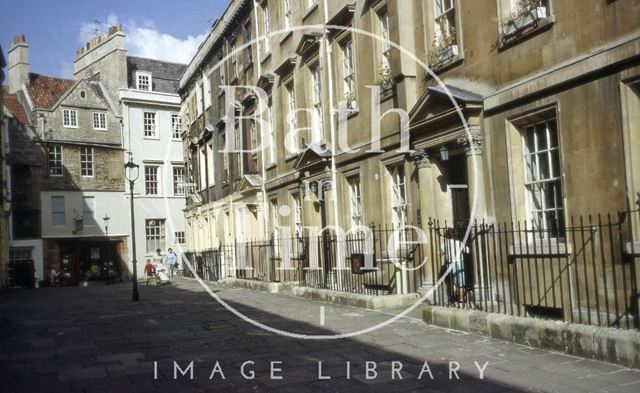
(148, 270)
(170, 261)
(453, 250)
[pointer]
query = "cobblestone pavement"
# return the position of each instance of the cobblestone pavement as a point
(95, 339)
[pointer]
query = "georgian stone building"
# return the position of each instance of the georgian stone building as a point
(548, 92)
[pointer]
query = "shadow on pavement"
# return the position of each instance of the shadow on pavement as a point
(95, 339)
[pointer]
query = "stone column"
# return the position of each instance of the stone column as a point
(475, 174)
(426, 181)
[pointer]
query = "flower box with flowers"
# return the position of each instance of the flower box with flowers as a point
(443, 49)
(385, 81)
(528, 13)
(350, 99)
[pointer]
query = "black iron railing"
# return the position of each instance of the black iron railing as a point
(587, 276)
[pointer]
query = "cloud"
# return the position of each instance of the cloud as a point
(146, 40)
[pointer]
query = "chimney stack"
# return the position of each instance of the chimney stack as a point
(18, 63)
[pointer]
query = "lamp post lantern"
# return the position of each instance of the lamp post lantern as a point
(132, 171)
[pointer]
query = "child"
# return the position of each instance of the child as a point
(148, 269)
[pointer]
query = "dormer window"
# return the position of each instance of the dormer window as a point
(143, 81)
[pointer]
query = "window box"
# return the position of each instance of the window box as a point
(440, 56)
(516, 24)
(385, 81)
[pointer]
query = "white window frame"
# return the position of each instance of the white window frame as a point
(287, 13)
(272, 148)
(398, 202)
(441, 11)
(87, 167)
(70, 118)
(266, 26)
(150, 125)
(152, 180)
(355, 201)
(88, 211)
(237, 143)
(202, 167)
(141, 84)
(234, 61)
(58, 213)
(57, 160)
(297, 215)
(155, 234)
(179, 237)
(348, 74)
(176, 126)
(211, 167)
(178, 180)
(317, 124)
(99, 121)
(544, 155)
(291, 118)
(385, 46)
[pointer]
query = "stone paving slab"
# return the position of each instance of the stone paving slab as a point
(94, 339)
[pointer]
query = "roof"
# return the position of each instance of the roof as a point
(45, 91)
(165, 75)
(14, 106)
(457, 93)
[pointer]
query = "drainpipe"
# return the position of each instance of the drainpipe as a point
(263, 187)
(328, 62)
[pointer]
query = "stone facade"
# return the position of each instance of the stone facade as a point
(529, 107)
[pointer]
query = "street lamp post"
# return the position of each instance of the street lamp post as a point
(132, 171)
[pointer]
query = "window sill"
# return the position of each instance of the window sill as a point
(310, 11)
(526, 32)
(540, 247)
(152, 138)
(353, 113)
(265, 57)
(386, 94)
(286, 37)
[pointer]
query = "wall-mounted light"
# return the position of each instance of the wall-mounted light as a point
(444, 153)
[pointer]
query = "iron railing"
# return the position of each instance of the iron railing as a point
(587, 276)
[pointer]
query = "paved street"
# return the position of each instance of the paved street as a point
(95, 339)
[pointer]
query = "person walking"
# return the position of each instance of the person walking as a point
(170, 261)
(453, 250)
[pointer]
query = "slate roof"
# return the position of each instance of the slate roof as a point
(457, 93)
(165, 75)
(45, 91)
(14, 106)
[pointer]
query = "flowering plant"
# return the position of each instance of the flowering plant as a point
(440, 43)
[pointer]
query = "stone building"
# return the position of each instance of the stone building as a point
(146, 91)
(67, 145)
(77, 139)
(524, 106)
(4, 227)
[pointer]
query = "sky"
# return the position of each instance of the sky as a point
(168, 30)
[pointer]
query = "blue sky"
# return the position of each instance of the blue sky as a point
(55, 29)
